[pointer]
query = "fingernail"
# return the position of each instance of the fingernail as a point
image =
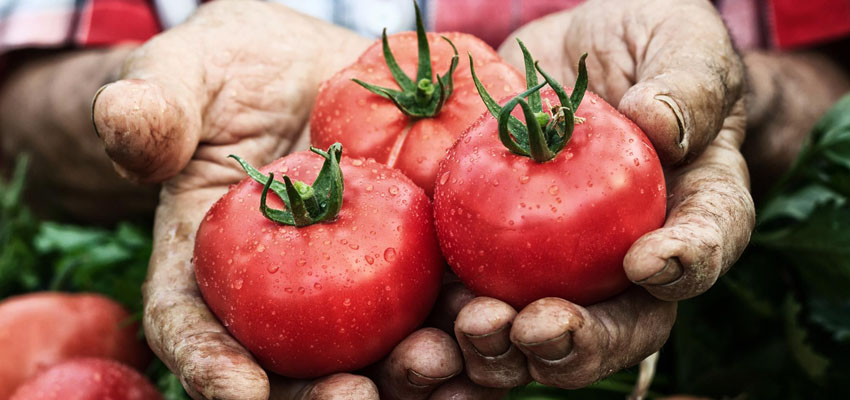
(671, 273)
(93, 101)
(418, 379)
(552, 349)
(492, 344)
(680, 119)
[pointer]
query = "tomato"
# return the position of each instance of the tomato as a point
(40, 329)
(519, 230)
(371, 126)
(88, 379)
(331, 296)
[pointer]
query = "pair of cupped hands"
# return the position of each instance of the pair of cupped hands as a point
(241, 78)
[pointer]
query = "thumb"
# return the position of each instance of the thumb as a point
(688, 78)
(150, 121)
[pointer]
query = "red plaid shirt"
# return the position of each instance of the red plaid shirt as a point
(84, 23)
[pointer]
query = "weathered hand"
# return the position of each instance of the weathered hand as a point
(669, 66)
(237, 78)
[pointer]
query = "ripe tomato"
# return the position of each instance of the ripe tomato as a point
(88, 379)
(519, 230)
(371, 126)
(38, 330)
(328, 297)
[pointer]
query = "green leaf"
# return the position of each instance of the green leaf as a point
(818, 246)
(812, 363)
(799, 205)
(833, 316)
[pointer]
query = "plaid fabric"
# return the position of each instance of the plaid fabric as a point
(82, 23)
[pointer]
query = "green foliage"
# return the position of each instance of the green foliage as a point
(41, 255)
(778, 325)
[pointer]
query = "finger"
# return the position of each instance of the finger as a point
(333, 387)
(420, 363)
(688, 76)
(483, 330)
(453, 296)
(709, 224)
(461, 388)
(178, 326)
(150, 121)
(570, 347)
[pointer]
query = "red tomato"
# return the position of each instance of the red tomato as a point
(519, 230)
(371, 126)
(87, 379)
(38, 330)
(328, 297)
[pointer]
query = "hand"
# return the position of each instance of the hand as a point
(45, 108)
(788, 93)
(669, 66)
(237, 78)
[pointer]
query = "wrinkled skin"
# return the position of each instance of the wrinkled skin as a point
(707, 228)
(368, 125)
(669, 66)
(237, 78)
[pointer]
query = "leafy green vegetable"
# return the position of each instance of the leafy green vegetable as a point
(42, 255)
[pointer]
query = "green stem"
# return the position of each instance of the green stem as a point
(546, 132)
(420, 98)
(304, 204)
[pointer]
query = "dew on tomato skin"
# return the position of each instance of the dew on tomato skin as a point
(370, 259)
(553, 190)
(301, 262)
(393, 190)
(637, 162)
(272, 268)
(523, 179)
(389, 254)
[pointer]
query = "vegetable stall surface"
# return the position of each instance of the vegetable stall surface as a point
(317, 293)
(403, 122)
(88, 379)
(549, 209)
(38, 330)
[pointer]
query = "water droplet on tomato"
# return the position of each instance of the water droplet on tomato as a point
(370, 259)
(301, 262)
(553, 190)
(288, 290)
(353, 246)
(389, 254)
(261, 248)
(369, 188)
(357, 162)
(237, 284)
(445, 177)
(393, 190)
(637, 162)
(272, 268)
(317, 286)
(346, 302)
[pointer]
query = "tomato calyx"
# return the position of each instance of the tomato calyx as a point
(420, 98)
(305, 204)
(545, 133)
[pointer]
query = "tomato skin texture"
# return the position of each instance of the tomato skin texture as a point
(328, 297)
(38, 330)
(87, 379)
(518, 230)
(371, 126)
